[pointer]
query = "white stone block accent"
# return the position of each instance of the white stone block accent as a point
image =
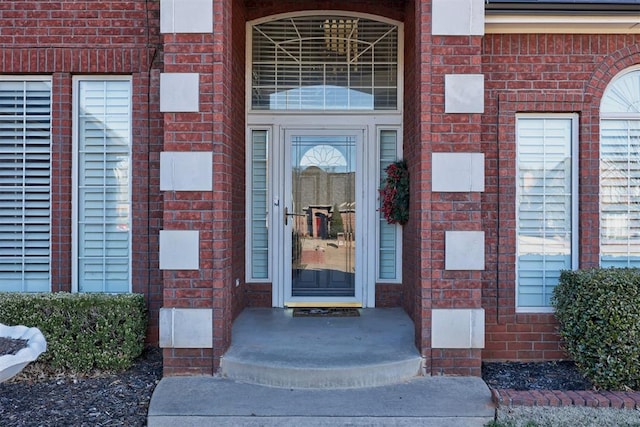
(464, 250)
(457, 172)
(457, 17)
(179, 92)
(179, 250)
(457, 328)
(464, 93)
(186, 328)
(186, 16)
(186, 171)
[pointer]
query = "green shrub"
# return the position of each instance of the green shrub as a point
(599, 315)
(83, 331)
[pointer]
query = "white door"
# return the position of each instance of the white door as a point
(322, 224)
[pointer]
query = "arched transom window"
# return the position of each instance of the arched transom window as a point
(620, 172)
(324, 63)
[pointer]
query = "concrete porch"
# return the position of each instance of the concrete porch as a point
(321, 371)
(271, 347)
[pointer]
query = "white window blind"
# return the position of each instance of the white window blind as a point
(103, 192)
(620, 193)
(25, 185)
(620, 172)
(324, 63)
(388, 233)
(259, 233)
(545, 208)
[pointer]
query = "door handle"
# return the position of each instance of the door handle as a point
(287, 215)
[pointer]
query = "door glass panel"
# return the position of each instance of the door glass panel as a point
(323, 216)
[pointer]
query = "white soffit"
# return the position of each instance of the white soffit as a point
(531, 23)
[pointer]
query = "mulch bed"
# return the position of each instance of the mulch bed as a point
(10, 346)
(117, 399)
(550, 384)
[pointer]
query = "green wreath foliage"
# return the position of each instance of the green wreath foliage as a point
(394, 193)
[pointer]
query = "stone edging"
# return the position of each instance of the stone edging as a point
(555, 398)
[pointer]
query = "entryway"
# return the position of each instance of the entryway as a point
(324, 118)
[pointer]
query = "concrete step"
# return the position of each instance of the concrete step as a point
(423, 401)
(271, 347)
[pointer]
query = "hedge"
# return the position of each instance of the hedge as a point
(599, 315)
(83, 331)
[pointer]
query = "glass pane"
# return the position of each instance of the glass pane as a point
(620, 193)
(387, 268)
(104, 200)
(324, 63)
(323, 216)
(25, 166)
(622, 95)
(259, 232)
(544, 200)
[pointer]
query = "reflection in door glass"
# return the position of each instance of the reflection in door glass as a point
(323, 215)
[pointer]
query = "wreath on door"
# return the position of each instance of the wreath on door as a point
(394, 193)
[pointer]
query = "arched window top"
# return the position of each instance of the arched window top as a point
(622, 96)
(324, 62)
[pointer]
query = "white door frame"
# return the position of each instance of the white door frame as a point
(366, 190)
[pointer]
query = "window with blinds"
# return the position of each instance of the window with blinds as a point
(324, 63)
(103, 202)
(25, 185)
(258, 209)
(620, 172)
(388, 234)
(546, 208)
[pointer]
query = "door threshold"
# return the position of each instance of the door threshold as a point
(319, 304)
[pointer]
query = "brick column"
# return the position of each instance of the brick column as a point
(457, 243)
(196, 248)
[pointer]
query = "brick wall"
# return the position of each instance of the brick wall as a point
(65, 38)
(543, 74)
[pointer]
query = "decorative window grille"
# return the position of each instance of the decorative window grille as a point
(546, 208)
(103, 205)
(25, 185)
(324, 63)
(620, 172)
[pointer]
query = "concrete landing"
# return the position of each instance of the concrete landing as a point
(321, 371)
(271, 347)
(423, 401)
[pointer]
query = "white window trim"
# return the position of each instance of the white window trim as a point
(48, 79)
(574, 200)
(75, 178)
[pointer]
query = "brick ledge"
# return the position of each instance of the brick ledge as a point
(556, 398)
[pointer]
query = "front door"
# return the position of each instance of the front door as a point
(321, 220)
